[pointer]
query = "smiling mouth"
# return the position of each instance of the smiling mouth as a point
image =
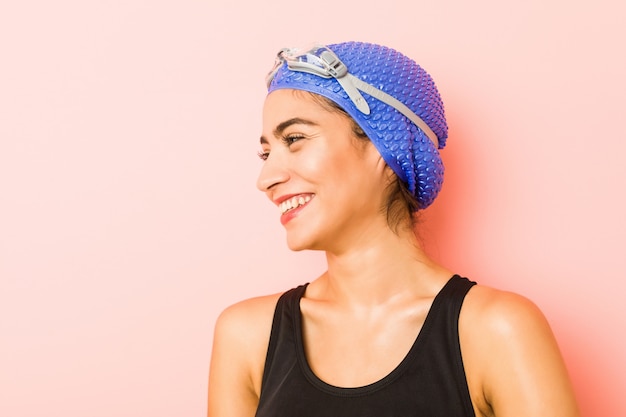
(294, 202)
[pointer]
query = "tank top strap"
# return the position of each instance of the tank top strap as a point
(450, 299)
(283, 329)
(444, 339)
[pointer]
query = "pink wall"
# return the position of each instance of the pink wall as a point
(129, 217)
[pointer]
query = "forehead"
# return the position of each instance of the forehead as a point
(284, 100)
(284, 104)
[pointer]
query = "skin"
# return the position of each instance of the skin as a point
(374, 297)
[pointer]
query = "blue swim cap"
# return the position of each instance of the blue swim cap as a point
(393, 87)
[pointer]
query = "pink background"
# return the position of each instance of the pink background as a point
(130, 219)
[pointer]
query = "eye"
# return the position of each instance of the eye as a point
(263, 155)
(291, 139)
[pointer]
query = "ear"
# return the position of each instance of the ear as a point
(389, 173)
(386, 173)
(381, 164)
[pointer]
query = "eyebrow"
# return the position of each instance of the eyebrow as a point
(284, 125)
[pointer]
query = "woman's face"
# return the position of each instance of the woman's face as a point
(329, 186)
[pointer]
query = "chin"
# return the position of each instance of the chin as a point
(297, 245)
(300, 242)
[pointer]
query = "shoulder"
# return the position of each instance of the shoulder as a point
(240, 342)
(499, 324)
(500, 312)
(247, 314)
(511, 357)
(244, 328)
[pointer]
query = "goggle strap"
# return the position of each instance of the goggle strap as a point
(353, 92)
(391, 101)
(324, 72)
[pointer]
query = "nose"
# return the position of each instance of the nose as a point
(274, 172)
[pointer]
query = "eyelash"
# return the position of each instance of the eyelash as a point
(290, 139)
(287, 140)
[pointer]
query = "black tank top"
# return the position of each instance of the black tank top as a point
(429, 382)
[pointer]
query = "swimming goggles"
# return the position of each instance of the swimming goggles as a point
(323, 62)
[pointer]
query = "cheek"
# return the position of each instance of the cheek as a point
(315, 165)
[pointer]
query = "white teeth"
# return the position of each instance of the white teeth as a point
(293, 202)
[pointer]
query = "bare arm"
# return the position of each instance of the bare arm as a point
(239, 347)
(515, 367)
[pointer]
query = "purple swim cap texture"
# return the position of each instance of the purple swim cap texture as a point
(403, 146)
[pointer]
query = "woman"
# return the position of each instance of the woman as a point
(350, 143)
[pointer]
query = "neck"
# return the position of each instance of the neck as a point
(381, 267)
